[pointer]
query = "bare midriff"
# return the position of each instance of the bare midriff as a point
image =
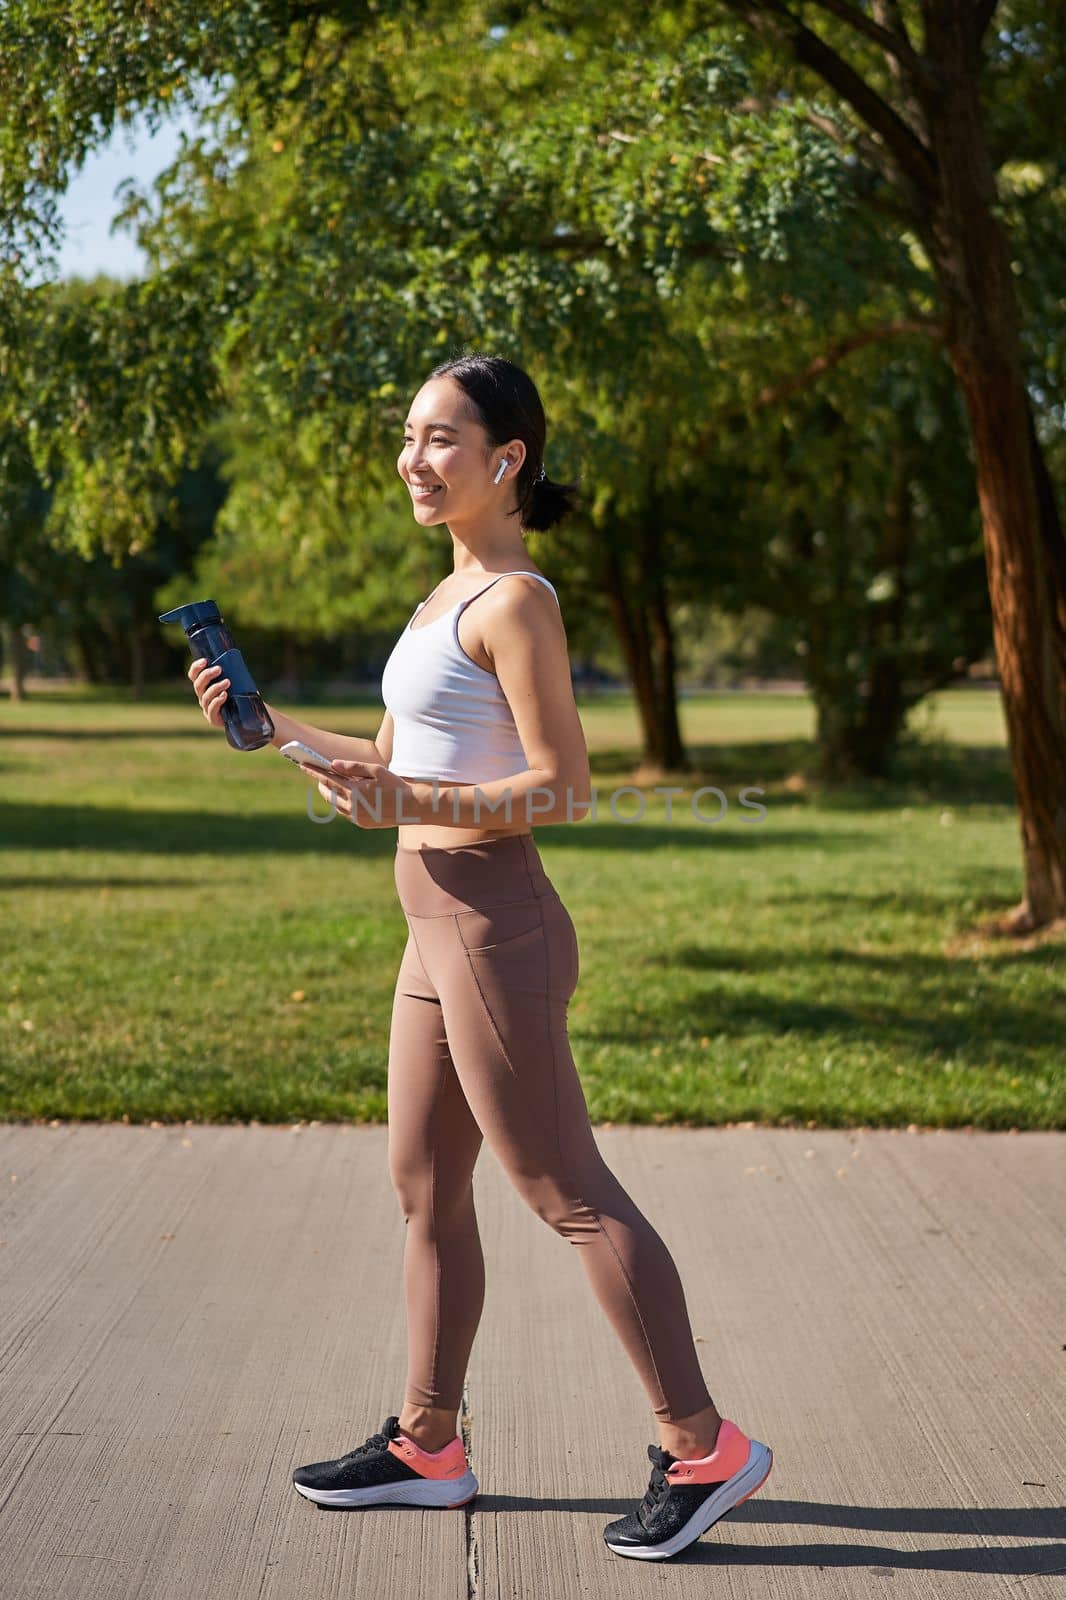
(413, 835)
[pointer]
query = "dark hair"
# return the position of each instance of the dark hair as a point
(508, 406)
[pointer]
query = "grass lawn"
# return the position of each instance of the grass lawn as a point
(181, 942)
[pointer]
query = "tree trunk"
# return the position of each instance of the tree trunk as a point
(137, 659)
(634, 642)
(292, 657)
(642, 622)
(884, 705)
(1024, 551)
(933, 142)
(15, 653)
(670, 754)
(85, 645)
(673, 755)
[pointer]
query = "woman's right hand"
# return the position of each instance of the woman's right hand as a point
(210, 689)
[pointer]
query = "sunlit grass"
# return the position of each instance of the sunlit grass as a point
(180, 941)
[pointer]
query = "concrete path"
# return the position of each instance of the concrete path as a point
(187, 1313)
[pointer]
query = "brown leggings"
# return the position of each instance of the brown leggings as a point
(479, 1048)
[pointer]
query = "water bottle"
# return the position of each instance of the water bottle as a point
(244, 716)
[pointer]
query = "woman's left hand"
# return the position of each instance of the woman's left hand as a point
(382, 793)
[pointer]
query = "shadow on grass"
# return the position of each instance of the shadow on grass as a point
(940, 1017)
(927, 769)
(926, 772)
(98, 734)
(997, 881)
(178, 694)
(46, 881)
(190, 832)
(185, 832)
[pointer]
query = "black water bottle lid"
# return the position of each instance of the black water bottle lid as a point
(194, 614)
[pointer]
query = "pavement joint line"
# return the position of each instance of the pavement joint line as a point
(473, 1572)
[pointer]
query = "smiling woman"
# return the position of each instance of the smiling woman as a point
(478, 693)
(479, 698)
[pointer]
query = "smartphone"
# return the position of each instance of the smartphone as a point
(297, 751)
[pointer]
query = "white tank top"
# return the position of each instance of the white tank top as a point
(450, 717)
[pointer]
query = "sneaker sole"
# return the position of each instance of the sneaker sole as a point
(438, 1493)
(751, 1476)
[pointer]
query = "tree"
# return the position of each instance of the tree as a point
(848, 511)
(920, 127)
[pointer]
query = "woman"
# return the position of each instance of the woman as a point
(481, 738)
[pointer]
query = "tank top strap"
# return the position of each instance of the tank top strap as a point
(421, 603)
(519, 572)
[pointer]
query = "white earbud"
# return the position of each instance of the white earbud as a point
(501, 469)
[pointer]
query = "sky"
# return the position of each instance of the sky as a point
(89, 203)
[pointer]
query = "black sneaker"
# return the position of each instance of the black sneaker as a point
(685, 1498)
(390, 1469)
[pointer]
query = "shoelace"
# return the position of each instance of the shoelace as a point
(658, 1489)
(376, 1441)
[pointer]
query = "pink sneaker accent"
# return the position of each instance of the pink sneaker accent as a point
(447, 1462)
(729, 1456)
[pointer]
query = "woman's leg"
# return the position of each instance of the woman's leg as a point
(505, 976)
(433, 1146)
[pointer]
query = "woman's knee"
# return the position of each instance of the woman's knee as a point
(559, 1206)
(412, 1185)
(424, 1192)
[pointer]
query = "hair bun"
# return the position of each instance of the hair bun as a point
(549, 503)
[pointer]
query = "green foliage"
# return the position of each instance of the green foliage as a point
(305, 543)
(663, 218)
(69, 75)
(345, 230)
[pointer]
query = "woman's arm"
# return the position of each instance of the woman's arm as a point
(338, 746)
